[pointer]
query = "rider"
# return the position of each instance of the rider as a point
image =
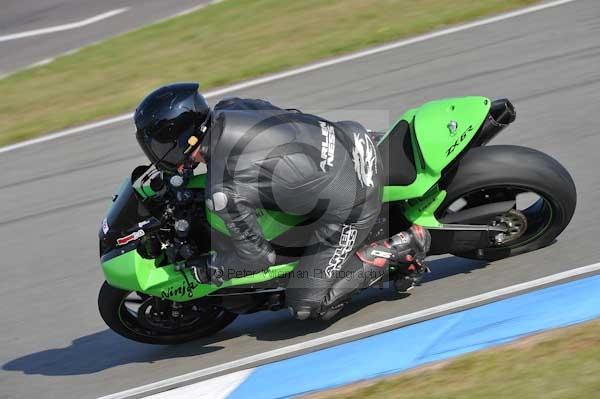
(259, 156)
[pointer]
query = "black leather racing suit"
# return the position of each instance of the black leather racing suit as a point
(261, 156)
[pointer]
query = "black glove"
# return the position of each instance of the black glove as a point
(210, 269)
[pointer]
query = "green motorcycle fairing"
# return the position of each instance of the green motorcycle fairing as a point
(131, 272)
(440, 131)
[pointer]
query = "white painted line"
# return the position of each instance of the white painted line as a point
(67, 132)
(75, 50)
(45, 61)
(215, 388)
(388, 47)
(191, 10)
(355, 332)
(310, 67)
(61, 28)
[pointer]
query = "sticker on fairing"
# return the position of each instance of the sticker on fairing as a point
(105, 227)
(131, 237)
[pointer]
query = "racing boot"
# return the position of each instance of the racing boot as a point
(408, 247)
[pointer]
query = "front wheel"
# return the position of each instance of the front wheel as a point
(543, 192)
(158, 321)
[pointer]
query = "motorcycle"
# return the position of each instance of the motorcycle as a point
(478, 201)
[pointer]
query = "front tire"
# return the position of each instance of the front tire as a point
(112, 304)
(515, 169)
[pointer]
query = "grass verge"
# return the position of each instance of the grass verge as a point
(220, 44)
(560, 364)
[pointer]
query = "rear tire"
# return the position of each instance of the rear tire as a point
(111, 307)
(519, 168)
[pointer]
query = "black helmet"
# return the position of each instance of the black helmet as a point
(167, 119)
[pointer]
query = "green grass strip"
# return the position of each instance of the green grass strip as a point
(561, 364)
(220, 44)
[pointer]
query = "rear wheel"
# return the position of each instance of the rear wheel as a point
(154, 320)
(543, 192)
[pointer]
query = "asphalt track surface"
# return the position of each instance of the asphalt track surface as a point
(26, 15)
(53, 195)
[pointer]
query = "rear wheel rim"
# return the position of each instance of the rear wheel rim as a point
(535, 206)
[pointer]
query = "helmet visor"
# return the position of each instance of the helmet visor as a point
(169, 141)
(171, 154)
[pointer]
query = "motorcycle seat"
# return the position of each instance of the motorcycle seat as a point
(397, 155)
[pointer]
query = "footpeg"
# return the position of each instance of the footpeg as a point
(301, 314)
(405, 283)
(331, 312)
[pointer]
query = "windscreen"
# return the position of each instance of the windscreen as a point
(125, 212)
